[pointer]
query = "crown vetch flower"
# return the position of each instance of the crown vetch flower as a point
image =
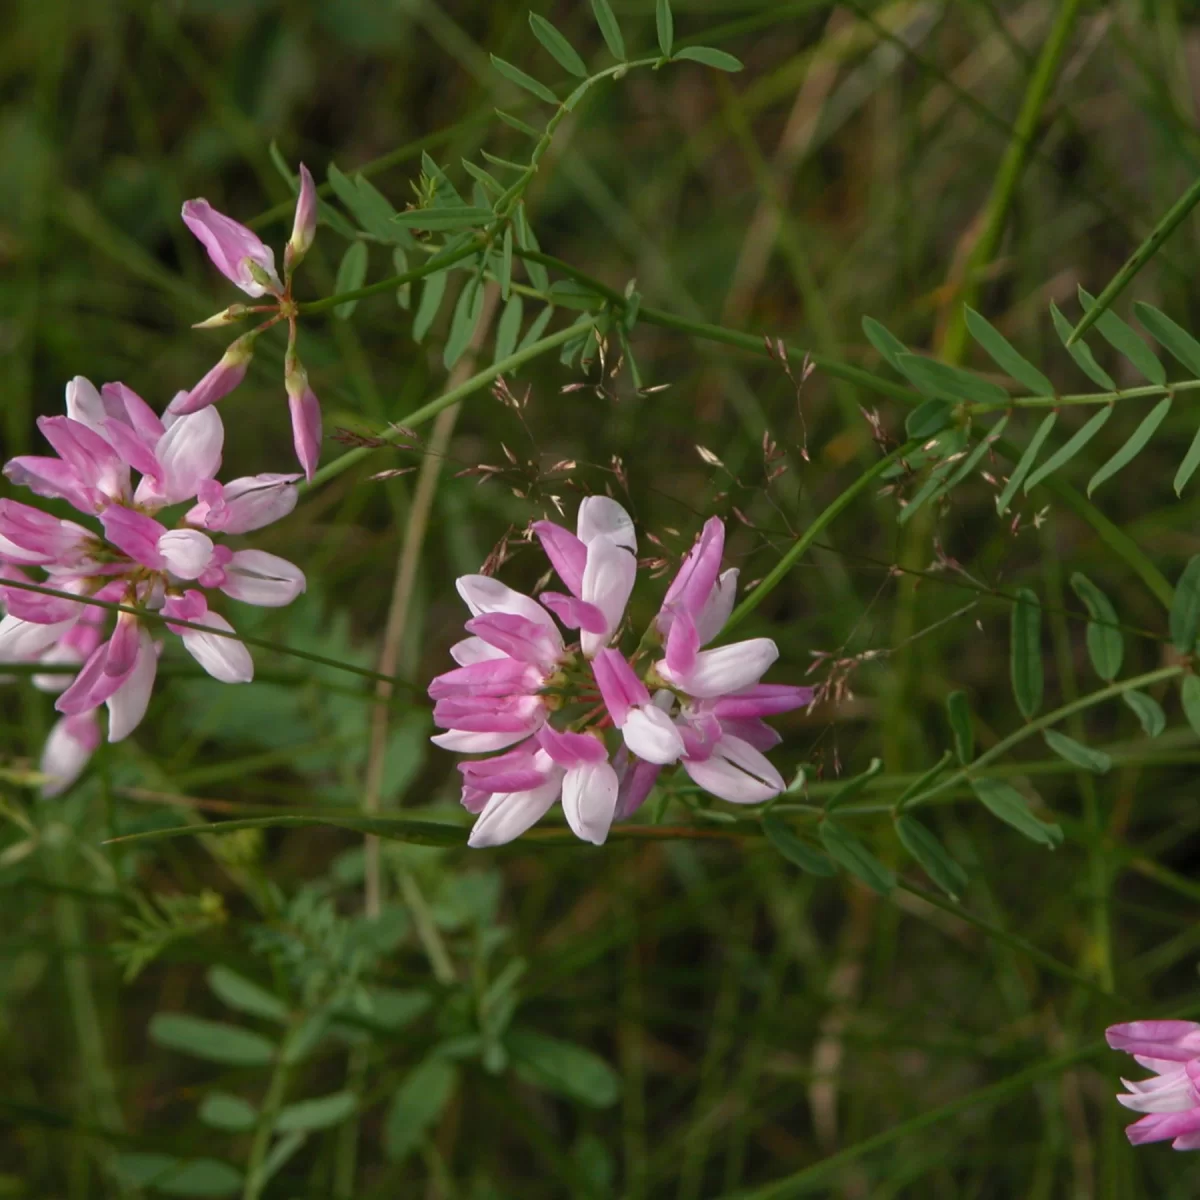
(1171, 1097)
(132, 559)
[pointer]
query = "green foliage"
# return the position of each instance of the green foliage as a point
(1025, 653)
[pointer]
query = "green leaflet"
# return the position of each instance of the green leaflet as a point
(1002, 353)
(890, 346)
(717, 59)
(508, 328)
(1105, 641)
(1026, 653)
(1025, 462)
(1184, 618)
(1076, 752)
(211, 1040)
(1136, 443)
(467, 311)
(609, 29)
(432, 291)
(557, 46)
(940, 380)
(1189, 694)
(1072, 447)
(664, 24)
(350, 275)
(517, 76)
(795, 849)
(924, 846)
(1149, 712)
(1080, 352)
(1125, 340)
(1172, 337)
(1004, 801)
(846, 849)
(961, 726)
(1187, 468)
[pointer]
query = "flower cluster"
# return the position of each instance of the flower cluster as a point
(1171, 1097)
(127, 556)
(242, 257)
(521, 689)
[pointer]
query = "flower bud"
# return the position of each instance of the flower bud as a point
(227, 316)
(304, 225)
(220, 380)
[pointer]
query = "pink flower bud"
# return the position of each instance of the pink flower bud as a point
(220, 380)
(306, 416)
(237, 252)
(304, 225)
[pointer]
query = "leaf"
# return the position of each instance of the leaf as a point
(517, 76)
(467, 311)
(1125, 340)
(717, 59)
(509, 327)
(1026, 653)
(1172, 337)
(463, 216)
(664, 23)
(846, 849)
(369, 207)
(283, 1149)
(961, 726)
(1004, 801)
(1080, 352)
(973, 459)
(1076, 752)
(890, 346)
(528, 241)
(563, 1067)
(1149, 712)
(609, 29)
(238, 992)
(211, 1040)
(853, 786)
(1136, 443)
(399, 829)
(1105, 641)
(1072, 447)
(934, 484)
(928, 418)
(945, 382)
(557, 46)
(351, 273)
(489, 185)
(1189, 694)
(794, 849)
(1025, 462)
(506, 259)
(1184, 618)
(319, 1113)
(230, 1113)
(432, 291)
(1187, 468)
(416, 1106)
(536, 328)
(1002, 353)
(938, 485)
(931, 855)
(180, 1177)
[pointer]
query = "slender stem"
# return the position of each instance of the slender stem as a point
(264, 1127)
(806, 539)
(477, 381)
(1002, 747)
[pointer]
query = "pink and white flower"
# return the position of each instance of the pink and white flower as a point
(1171, 1097)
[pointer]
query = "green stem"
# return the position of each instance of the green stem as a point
(768, 584)
(479, 380)
(1002, 747)
(1012, 167)
(265, 1126)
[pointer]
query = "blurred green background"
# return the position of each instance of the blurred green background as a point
(732, 1021)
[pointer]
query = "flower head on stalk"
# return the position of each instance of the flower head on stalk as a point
(1170, 1098)
(522, 690)
(243, 258)
(132, 559)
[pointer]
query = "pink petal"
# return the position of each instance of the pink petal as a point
(510, 814)
(608, 579)
(126, 406)
(94, 462)
(462, 741)
(72, 741)
(763, 700)
(306, 429)
(256, 577)
(186, 552)
(683, 644)
(188, 453)
(570, 749)
(726, 669)
(134, 534)
(54, 479)
(22, 641)
(620, 688)
(650, 734)
(696, 577)
(215, 385)
(1176, 1041)
(473, 650)
(244, 504)
(224, 658)
(636, 781)
(567, 554)
(483, 594)
(127, 705)
(717, 609)
(520, 638)
(573, 613)
(230, 245)
(304, 223)
(600, 516)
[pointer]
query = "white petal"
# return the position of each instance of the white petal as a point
(736, 772)
(599, 515)
(483, 594)
(186, 552)
(608, 577)
(190, 451)
(589, 799)
(85, 406)
(472, 650)
(726, 669)
(717, 607)
(127, 705)
(63, 757)
(507, 815)
(256, 577)
(750, 760)
(223, 658)
(462, 741)
(651, 734)
(22, 640)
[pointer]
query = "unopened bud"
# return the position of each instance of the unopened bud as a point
(304, 225)
(220, 380)
(227, 316)
(264, 278)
